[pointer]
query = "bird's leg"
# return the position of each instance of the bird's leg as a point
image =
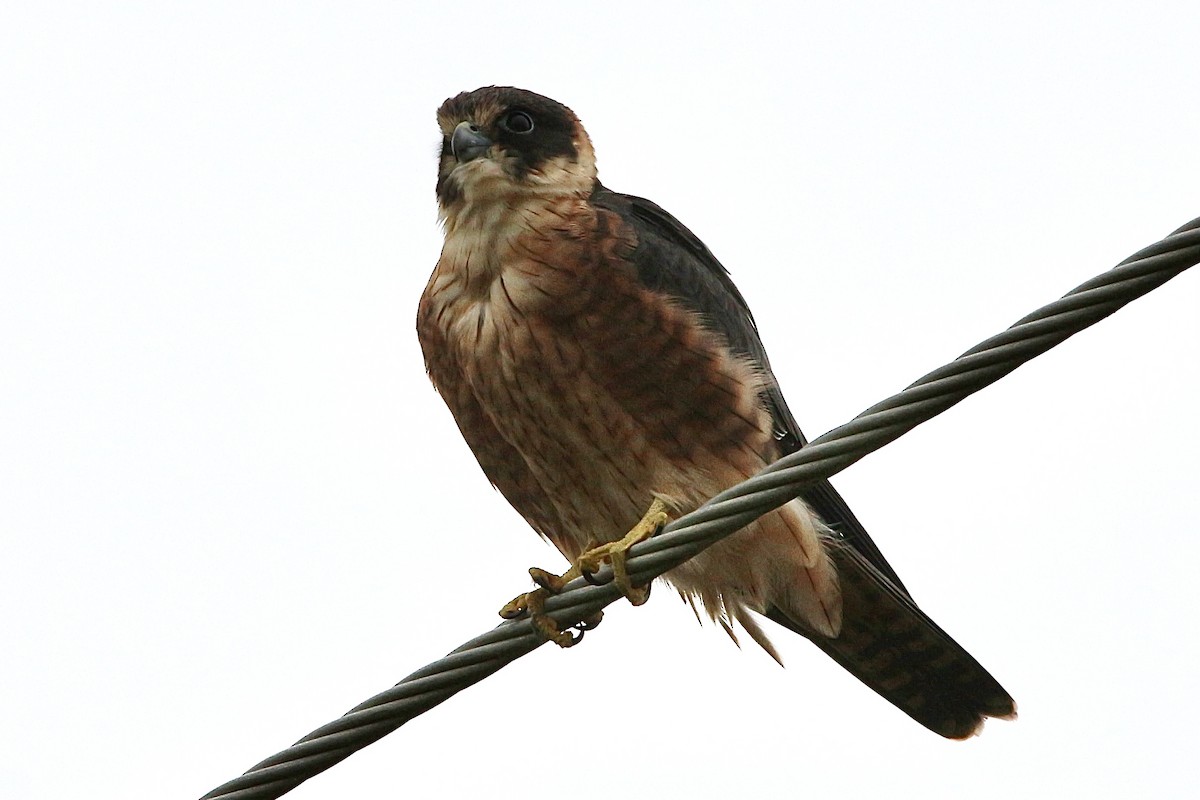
(534, 603)
(617, 552)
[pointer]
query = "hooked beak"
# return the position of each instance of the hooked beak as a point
(468, 143)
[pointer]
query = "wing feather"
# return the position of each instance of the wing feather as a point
(672, 260)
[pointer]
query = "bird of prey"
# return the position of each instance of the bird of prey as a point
(599, 361)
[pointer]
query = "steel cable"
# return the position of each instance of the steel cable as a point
(729, 511)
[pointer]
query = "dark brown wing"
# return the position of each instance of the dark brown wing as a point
(672, 260)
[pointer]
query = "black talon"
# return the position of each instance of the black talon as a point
(590, 623)
(590, 577)
(542, 578)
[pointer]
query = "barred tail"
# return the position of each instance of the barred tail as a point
(890, 645)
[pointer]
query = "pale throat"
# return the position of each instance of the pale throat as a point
(493, 210)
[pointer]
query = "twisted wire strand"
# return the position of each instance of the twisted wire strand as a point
(725, 513)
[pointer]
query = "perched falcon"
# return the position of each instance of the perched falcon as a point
(597, 358)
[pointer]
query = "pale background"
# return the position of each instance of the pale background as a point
(231, 506)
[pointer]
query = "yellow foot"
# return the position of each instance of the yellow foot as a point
(617, 552)
(533, 603)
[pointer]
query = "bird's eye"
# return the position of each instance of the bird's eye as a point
(518, 122)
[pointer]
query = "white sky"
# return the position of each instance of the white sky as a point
(231, 506)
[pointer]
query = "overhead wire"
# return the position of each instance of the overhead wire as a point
(725, 513)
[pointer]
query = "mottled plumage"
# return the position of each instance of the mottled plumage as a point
(595, 355)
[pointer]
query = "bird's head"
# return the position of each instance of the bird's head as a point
(500, 143)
